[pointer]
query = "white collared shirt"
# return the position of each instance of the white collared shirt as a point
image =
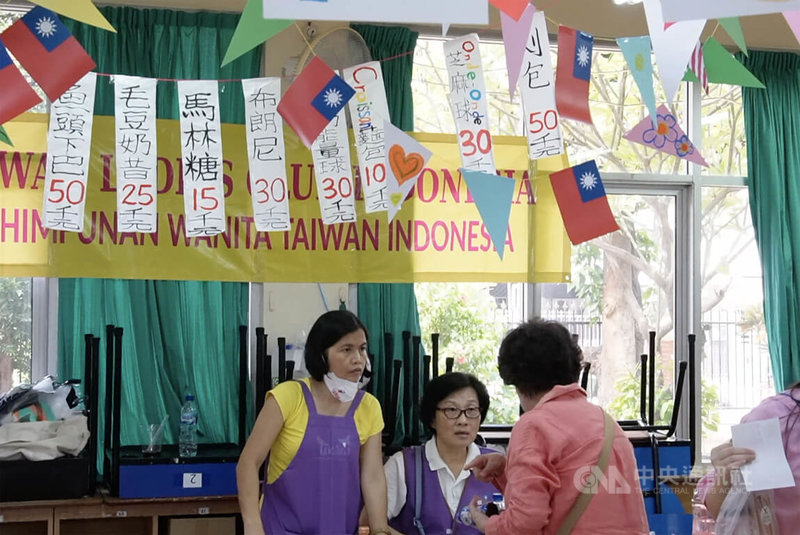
(452, 486)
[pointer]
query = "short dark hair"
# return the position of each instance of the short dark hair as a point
(442, 386)
(538, 355)
(326, 331)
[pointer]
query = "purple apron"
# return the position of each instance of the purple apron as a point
(435, 515)
(320, 490)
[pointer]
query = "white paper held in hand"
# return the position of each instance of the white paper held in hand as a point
(770, 469)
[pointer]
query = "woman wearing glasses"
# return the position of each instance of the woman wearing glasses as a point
(452, 408)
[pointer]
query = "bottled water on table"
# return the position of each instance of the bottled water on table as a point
(187, 438)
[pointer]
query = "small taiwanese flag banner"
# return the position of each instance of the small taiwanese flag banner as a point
(313, 100)
(583, 203)
(16, 95)
(48, 51)
(573, 74)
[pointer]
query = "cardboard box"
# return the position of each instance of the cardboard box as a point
(202, 526)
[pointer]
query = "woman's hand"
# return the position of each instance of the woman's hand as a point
(725, 458)
(487, 467)
(478, 516)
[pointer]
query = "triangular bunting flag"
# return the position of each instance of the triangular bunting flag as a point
(493, 195)
(734, 29)
(405, 160)
(583, 203)
(512, 8)
(793, 19)
(4, 137)
(672, 46)
(636, 51)
(80, 10)
(252, 30)
(667, 136)
(515, 37)
(48, 51)
(723, 68)
(689, 76)
(698, 67)
(312, 101)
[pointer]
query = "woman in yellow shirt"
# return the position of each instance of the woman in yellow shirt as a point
(322, 436)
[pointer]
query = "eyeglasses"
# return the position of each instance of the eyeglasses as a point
(454, 413)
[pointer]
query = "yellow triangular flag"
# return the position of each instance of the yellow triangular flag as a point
(80, 10)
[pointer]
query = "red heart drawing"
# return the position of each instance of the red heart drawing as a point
(405, 166)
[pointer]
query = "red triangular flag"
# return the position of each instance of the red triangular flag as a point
(573, 74)
(48, 51)
(582, 202)
(16, 94)
(512, 8)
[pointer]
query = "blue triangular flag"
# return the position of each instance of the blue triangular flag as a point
(493, 195)
(637, 53)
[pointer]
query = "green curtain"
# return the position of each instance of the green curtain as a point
(179, 336)
(772, 126)
(392, 308)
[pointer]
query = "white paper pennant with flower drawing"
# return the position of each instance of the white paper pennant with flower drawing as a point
(69, 140)
(368, 111)
(468, 102)
(334, 172)
(406, 158)
(266, 152)
(201, 150)
(136, 153)
(537, 91)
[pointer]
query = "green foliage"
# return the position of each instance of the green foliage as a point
(15, 326)
(471, 328)
(625, 406)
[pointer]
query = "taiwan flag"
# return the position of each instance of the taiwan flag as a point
(48, 51)
(16, 94)
(573, 74)
(313, 100)
(582, 201)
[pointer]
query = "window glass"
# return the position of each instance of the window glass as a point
(735, 368)
(724, 143)
(15, 332)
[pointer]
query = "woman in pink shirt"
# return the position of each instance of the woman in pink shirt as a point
(713, 488)
(555, 446)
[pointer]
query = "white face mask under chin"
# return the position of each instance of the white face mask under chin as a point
(341, 389)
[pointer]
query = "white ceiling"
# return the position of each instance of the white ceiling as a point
(601, 18)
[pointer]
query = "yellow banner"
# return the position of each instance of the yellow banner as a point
(437, 236)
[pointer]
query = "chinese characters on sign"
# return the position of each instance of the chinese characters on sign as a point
(136, 153)
(468, 102)
(69, 141)
(201, 151)
(368, 111)
(537, 91)
(334, 172)
(267, 154)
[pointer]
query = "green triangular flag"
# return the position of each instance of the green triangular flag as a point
(734, 29)
(690, 76)
(4, 137)
(252, 30)
(722, 67)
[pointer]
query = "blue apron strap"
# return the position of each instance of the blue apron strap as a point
(418, 490)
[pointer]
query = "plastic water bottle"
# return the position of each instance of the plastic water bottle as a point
(298, 355)
(187, 438)
(489, 506)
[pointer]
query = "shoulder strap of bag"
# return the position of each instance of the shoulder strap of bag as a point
(418, 490)
(590, 485)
